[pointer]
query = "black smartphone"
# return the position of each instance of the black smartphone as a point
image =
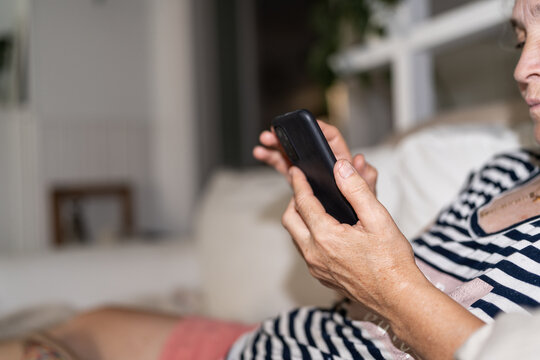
(305, 146)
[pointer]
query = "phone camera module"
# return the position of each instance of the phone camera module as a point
(286, 144)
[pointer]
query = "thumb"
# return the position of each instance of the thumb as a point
(356, 190)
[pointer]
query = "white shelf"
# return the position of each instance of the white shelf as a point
(401, 48)
(452, 26)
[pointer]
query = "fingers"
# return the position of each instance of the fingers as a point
(336, 141)
(366, 171)
(273, 158)
(295, 226)
(357, 191)
(359, 162)
(308, 206)
(269, 139)
(270, 154)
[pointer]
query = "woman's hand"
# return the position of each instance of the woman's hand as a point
(372, 263)
(270, 154)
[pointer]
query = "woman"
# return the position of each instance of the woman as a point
(482, 252)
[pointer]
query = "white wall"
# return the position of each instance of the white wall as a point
(174, 106)
(91, 60)
(18, 172)
(8, 12)
(111, 99)
(8, 180)
(17, 150)
(90, 94)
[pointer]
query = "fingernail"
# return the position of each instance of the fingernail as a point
(345, 169)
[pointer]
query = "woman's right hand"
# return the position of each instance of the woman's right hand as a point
(269, 153)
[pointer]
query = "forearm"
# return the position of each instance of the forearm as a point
(373, 263)
(430, 322)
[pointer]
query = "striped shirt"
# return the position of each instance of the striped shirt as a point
(488, 273)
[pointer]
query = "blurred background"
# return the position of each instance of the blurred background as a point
(118, 116)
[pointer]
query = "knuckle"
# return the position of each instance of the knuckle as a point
(339, 232)
(309, 258)
(315, 272)
(301, 200)
(319, 238)
(285, 219)
(275, 159)
(326, 283)
(312, 259)
(312, 272)
(332, 129)
(359, 188)
(321, 233)
(383, 214)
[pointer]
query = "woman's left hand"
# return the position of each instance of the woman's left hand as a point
(269, 152)
(370, 262)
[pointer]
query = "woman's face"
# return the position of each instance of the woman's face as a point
(526, 23)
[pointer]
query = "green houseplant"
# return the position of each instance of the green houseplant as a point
(338, 23)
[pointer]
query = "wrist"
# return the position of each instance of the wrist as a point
(431, 322)
(415, 297)
(396, 290)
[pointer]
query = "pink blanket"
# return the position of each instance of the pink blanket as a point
(199, 338)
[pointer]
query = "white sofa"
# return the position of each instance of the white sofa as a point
(250, 269)
(240, 263)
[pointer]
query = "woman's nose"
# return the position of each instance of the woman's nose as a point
(528, 67)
